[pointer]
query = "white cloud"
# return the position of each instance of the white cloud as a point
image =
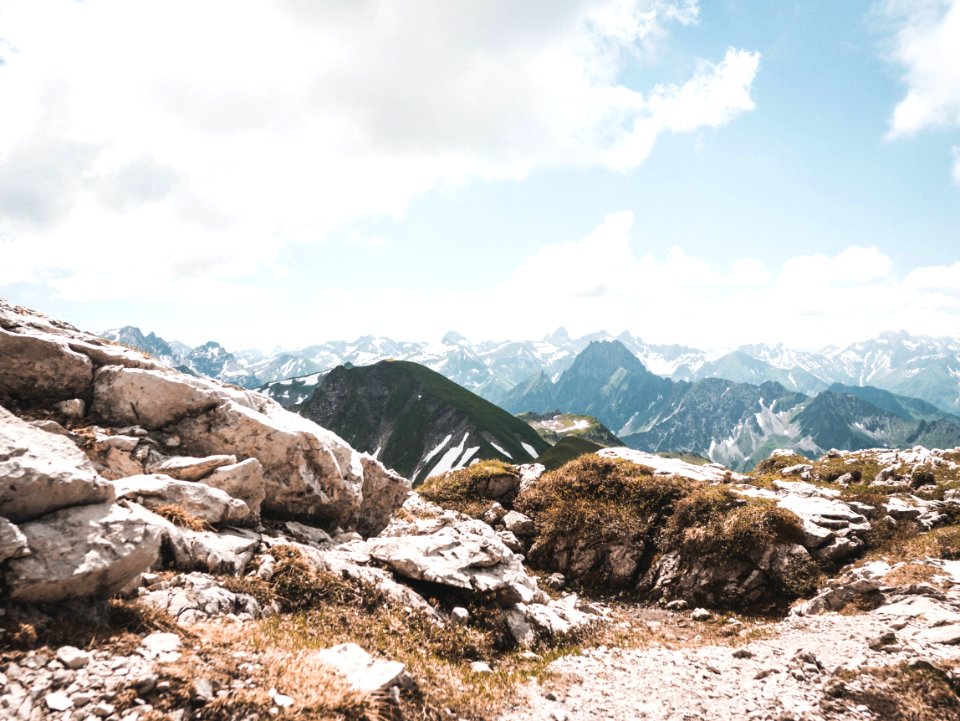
(927, 46)
(854, 266)
(204, 137)
(606, 280)
(609, 279)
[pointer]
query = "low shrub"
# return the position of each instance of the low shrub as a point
(299, 585)
(596, 514)
(598, 500)
(473, 490)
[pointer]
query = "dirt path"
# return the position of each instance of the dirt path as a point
(804, 668)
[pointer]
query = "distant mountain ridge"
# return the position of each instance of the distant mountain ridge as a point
(914, 366)
(736, 424)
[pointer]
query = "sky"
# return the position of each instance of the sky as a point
(283, 172)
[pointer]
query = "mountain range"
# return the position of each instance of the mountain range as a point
(915, 366)
(894, 390)
(733, 423)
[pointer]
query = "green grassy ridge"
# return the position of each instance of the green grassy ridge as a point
(567, 449)
(595, 430)
(409, 403)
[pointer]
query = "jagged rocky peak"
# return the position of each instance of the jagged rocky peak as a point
(451, 337)
(559, 337)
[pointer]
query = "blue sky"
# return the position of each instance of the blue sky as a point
(286, 172)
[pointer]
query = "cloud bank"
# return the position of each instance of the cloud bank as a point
(202, 139)
(607, 280)
(927, 46)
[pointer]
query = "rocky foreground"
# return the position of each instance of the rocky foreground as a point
(175, 548)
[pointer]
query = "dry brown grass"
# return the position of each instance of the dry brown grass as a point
(922, 692)
(604, 503)
(225, 660)
(467, 490)
(906, 542)
(114, 624)
(912, 573)
(277, 653)
(322, 610)
(178, 516)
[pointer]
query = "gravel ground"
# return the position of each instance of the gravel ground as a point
(784, 676)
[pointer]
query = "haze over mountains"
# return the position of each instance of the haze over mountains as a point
(896, 390)
(916, 366)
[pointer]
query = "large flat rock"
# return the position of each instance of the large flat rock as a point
(42, 367)
(92, 550)
(41, 472)
(210, 505)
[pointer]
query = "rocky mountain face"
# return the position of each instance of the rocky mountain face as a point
(737, 424)
(417, 421)
(914, 366)
(606, 381)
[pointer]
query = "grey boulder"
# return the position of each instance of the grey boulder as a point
(92, 550)
(41, 472)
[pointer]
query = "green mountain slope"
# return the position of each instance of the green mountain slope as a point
(416, 420)
(566, 450)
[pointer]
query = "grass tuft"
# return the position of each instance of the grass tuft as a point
(473, 490)
(178, 516)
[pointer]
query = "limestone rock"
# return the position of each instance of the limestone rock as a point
(243, 480)
(150, 398)
(531, 622)
(518, 524)
(164, 647)
(72, 657)
(210, 505)
(193, 469)
(363, 672)
(308, 471)
(13, 544)
(352, 561)
(73, 409)
(196, 597)
(529, 474)
(36, 367)
(729, 582)
(114, 456)
(226, 552)
(800, 469)
(467, 554)
(42, 472)
(605, 564)
(674, 466)
(91, 550)
(383, 493)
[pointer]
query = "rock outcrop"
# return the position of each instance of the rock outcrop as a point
(92, 550)
(307, 472)
(158, 439)
(210, 505)
(41, 472)
(42, 368)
